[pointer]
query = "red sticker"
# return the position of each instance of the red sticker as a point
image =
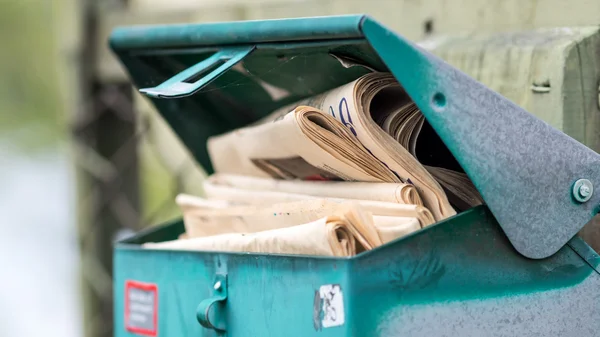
(141, 308)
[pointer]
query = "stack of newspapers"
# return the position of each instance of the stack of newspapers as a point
(333, 175)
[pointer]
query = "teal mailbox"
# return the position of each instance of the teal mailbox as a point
(513, 267)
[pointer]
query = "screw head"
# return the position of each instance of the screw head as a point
(217, 285)
(583, 190)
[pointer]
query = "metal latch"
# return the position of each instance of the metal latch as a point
(197, 76)
(214, 319)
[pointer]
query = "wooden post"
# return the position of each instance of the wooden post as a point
(105, 146)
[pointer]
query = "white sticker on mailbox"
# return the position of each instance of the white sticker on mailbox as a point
(329, 306)
(141, 308)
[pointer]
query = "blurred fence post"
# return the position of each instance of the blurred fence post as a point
(105, 146)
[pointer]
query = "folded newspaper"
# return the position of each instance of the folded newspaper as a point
(334, 174)
(205, 217)
(312, 227)
(302, 144)
(377, 112)
(231, 187)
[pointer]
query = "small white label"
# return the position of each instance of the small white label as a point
(141, 308)
(332, 309)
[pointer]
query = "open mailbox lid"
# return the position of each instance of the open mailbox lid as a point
(206, 79)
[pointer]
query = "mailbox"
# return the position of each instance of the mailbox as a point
(512, 267)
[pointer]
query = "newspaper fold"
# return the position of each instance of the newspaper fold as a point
(357, 105)
(459, 185)
(288, 228)
(390, 192)
(302, 144)
(329, 236)
(254, 197)
(205, 221)
(405, 125)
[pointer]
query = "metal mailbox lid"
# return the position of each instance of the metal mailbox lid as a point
(525, 170)
(268, 64)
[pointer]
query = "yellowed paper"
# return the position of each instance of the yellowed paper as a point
(391, 228)
(389, 192)
(321, 237)
(352, 105)
(458, 184)
(260, 217)
(257, 197)
(344, 233)
(302, 144)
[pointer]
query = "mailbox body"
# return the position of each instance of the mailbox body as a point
(460, 277)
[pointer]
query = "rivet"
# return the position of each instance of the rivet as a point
(583, 190)
(217, 285)
(438, 101)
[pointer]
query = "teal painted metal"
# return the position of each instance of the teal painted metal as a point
(523, 168)
(208, 313)
(237, 33)
(194, 78)
(583, 190)
(459, 277)
(237, 98)
(465, 263)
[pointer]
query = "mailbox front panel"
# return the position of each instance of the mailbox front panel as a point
(461, 277)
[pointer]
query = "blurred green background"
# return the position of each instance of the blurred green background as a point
(54, 248)
(39, 254)
(31, 98)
